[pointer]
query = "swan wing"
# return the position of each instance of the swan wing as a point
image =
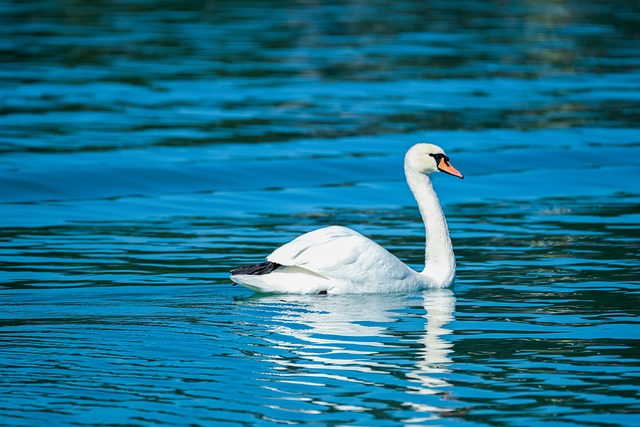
(343, 256)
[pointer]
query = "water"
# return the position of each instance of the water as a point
(148, 147)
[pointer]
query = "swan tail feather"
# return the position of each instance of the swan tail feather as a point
(285, 280)
(256, 269)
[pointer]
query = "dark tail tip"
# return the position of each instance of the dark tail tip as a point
(256, 269)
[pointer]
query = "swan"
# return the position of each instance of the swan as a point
(338, 260)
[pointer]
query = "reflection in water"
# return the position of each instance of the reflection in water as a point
(439, 304)
(357, 338)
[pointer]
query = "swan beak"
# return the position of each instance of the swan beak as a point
(445, 166)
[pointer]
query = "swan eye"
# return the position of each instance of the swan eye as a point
(438, 158)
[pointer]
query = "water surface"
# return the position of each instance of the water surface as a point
(148, 147)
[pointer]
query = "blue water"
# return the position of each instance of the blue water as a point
(147, 147)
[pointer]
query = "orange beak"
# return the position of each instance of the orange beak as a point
(445, 166)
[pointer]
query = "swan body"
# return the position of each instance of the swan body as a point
(340, 260)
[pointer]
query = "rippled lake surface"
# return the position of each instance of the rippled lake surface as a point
(147, 147)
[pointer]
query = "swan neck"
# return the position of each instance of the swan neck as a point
(439, 260)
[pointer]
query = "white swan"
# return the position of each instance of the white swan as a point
(339, 260)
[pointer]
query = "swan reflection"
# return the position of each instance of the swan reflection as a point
(390, 341)
(436, 351)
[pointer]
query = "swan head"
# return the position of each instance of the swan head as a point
(427, 158)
